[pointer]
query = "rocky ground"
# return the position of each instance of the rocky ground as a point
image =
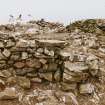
(45, 63)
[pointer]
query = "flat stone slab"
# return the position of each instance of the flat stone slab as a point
(53, 43)
(76, 67)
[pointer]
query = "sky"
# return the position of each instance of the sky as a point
(63, 11)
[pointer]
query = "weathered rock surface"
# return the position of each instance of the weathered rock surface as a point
(8, 94)
(75, 67)
(39, 53)
(23, 82)
(87, 88)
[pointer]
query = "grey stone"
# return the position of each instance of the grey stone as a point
(74, 77)
(94, 64)
(15, 57)
(76, 66)
(2, 83)
(32, 31)
(33, 63)
(52, 67)
(11, 80)
(6, 53)
(94, 67)
(32, 43)
(32, 75)
(10, 43)
(40, 50)
(68, 86)
(36, 80)
(91, 43)
(2, 75)
(49, 52)
(47, 76)
(53, 43)
(1, 45)
(24, 55)
(91, 57)
(70, 99)
(24, 82)
(6, 73)
(86, 88)
(25, 43)
(57, 76)
(8, 94)
(24, 71)
(66, 53)
(2, 56)
(19, 65)
(22, 43)
(43, 61)
(3, 64)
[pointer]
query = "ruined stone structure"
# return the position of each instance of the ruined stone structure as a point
(40, 52)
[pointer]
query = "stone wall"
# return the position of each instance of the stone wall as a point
(39, 59)
(34, 60)
(25, 61)
(30, 54)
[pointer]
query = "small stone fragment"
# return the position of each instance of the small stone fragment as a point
(33, 63)
(52, 67)
(2, 56)
(43, 61)
(11, 81)
(64, 53)
(86, 88)
(15, 57)
(40, 50)
(19, 65)
(31, 75)
(23, 82)
(68, 86)
(22, 43)
(36, 80)
(32, 31)
(32, 43)
(47, 76)
(6, 73)
(49, 52)
(6, 53)
(74, 77)
(24, 55)
(76, 66)
(70, 99)
(10, 43)
(2, 75)
(8, 94)
(57, 76)
(1, 45)
(2, 82)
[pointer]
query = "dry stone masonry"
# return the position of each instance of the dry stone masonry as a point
(72, 57)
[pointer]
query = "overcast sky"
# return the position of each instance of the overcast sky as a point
(53, 10)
